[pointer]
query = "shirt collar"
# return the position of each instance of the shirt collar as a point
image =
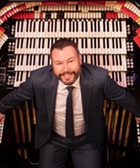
(76, 84)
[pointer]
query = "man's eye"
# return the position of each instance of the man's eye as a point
(58, 63)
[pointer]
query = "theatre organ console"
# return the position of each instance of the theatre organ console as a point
(107, 34)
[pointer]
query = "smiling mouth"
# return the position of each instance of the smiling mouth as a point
(67, 75)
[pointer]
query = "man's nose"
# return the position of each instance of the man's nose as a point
(65, 67)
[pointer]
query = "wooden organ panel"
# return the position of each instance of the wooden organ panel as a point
(104, 32)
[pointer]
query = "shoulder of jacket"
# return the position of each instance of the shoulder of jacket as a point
(93, 67)
(42, 69)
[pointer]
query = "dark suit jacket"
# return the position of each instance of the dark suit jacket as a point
(95, 87)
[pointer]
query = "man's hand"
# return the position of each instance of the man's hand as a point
(2, 117)
(137, 120)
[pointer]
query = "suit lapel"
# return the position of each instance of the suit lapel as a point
(86, 91)
(51, 90)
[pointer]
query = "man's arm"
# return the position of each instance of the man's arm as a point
(17, 96)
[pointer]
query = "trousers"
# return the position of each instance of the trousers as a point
(56, 152)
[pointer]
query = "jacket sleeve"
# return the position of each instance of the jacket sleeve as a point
(17, 96)
(121, 96)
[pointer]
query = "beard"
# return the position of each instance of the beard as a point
(68, 78)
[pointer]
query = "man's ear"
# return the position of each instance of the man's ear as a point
(80, 58)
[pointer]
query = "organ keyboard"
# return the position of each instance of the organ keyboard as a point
(111, 62)
(84, 28)
(86, 46)
(101, 42)
(114, 63)
(103, 31)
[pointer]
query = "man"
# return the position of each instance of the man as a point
(91, 86)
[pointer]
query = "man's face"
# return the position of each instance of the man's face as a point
(66, 64)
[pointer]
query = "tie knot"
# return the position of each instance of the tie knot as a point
(70, 88)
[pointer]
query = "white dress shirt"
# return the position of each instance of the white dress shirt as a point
(60, 109)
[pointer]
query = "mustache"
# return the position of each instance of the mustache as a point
(65, 73)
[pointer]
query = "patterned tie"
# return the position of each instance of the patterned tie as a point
(69, 114)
